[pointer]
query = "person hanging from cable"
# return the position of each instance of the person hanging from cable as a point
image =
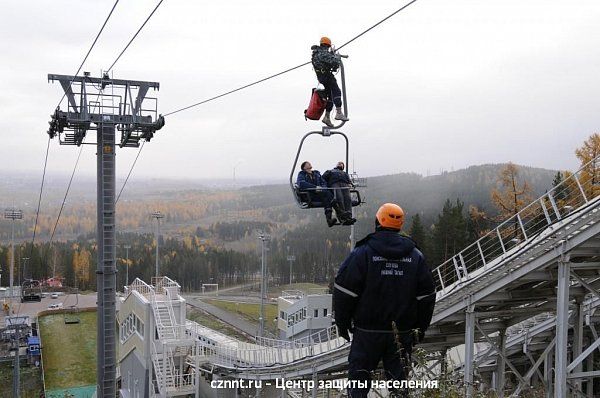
(325, 62)
(310, 181)
(384, 294)
(341, 183)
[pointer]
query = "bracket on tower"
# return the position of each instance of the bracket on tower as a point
(126, 106)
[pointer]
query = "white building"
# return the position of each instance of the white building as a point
(302, 314)
(156, 355)
(162, 354)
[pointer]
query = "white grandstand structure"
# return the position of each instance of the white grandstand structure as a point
(520, 304)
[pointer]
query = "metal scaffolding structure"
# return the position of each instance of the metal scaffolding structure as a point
(119, 105)
(524, 295)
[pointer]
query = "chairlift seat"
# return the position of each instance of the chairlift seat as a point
(307, 202)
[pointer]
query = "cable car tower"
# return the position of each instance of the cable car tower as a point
(107, 106)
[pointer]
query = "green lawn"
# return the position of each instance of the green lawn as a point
(305, 287)
(69, 351)
(30, 380)
(249, 311)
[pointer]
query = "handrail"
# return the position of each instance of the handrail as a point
(573, 193)
(140, 286)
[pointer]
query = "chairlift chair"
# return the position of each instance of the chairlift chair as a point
(302, 197)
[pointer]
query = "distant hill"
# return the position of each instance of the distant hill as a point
(426, 195)
(189, 206)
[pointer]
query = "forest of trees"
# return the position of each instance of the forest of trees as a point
(210, 237)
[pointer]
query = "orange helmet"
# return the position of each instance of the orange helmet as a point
(325, 40)
(390, 215)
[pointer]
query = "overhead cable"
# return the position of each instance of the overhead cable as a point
(130, 170)
(287, 70)
(90, 50)
(135, 35)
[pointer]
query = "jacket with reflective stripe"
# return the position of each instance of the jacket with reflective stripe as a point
(384, 279)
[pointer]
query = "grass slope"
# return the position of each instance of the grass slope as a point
(249, 311)
(69, 351)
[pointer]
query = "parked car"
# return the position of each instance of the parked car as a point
(54, 295)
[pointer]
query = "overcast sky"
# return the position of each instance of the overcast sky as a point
(440, 86)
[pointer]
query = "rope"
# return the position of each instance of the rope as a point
(287, 70)
(135, 35)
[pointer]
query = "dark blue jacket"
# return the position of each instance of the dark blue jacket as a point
(384, 279)
(334, 176)
(308, 181)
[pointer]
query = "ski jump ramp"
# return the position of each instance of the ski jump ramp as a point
(520, 300)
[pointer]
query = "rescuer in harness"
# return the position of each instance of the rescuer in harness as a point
(325, 62)
(384, 294)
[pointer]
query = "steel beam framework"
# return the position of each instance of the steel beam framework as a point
(119, 110)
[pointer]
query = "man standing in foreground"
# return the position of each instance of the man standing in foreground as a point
(384, 280)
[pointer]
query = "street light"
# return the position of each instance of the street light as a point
(24, 268)
(291, 259)
(264, 238)
(127, 247)
(157, 215)
(12, 214)
(235, 167)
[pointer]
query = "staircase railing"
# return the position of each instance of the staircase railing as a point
(567, 198)
(247, 355)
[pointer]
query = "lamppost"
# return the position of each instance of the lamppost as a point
(12, 214)
(291, 259)
(157, 215)
(23, 271)
(127, 247)
(264, 238)
(235, 167)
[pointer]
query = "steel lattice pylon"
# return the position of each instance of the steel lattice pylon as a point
(92, 107)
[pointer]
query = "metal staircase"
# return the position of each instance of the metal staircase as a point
(174, 350)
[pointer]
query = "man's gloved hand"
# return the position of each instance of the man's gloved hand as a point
(343, 332)
(408, 342)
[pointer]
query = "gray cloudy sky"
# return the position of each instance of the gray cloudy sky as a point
(442, 85)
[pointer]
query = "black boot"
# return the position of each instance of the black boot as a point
(340, 213)
(331, 221)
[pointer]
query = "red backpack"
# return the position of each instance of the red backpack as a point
(317, 104)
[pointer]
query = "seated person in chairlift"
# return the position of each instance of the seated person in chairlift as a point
(341, 183)
(310, 180)
(325, 62)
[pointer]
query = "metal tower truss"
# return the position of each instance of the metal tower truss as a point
(92, 101)
(122, 109)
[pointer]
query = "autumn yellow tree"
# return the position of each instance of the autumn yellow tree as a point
(590, 173)
(81, 265)
(511, 195)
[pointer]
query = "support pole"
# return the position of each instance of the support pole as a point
(127, 247)
(501, 365)
(548, 362)
(469, 346)
(263, 284)
(578, 340)
(589, 388)
(16, 366)
(158, 215)
(352, 231)
(106, 268)
(562, 330)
